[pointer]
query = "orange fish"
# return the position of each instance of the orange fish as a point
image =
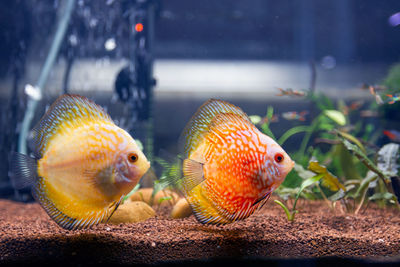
(231, 168)
(393, 135)
(393, 99)
(290, 92)
(294, 115)
(84, 163)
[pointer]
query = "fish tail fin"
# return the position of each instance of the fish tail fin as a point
(204, 211)
(23, 170)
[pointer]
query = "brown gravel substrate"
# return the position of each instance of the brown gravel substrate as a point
(28, 235)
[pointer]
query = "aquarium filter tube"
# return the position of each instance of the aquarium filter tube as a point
(33, 101)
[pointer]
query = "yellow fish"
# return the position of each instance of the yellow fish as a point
(84, 163)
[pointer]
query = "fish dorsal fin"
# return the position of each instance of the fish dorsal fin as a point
(193, 175)
(66, 111)
(199, 123)
(224, 125)
(86, 220)
(228, 122)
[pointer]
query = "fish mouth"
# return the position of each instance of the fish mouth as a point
(122, 178)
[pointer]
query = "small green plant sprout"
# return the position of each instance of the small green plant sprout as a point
(136, 188)
(309, 179)
(307, 182)
(312, 176)
(162, 199)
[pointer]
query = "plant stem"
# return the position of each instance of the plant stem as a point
(292, 131)
(307, 137)
(325, 198)
(361, 202)
(289, 215)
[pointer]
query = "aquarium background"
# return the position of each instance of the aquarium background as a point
(151, 81)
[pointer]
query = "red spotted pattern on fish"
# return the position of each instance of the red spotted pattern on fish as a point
(231, 168)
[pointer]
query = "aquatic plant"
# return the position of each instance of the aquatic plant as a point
(340, 159)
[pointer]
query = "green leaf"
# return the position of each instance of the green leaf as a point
(265, 128)
(292, 131)
(347, 163)
(308, 182)
(364, 159)
(255, 119)
(387, 159)
(352, 139)
(336, 116)
(270, 112)
(337, 196)
(286, 192)
(383, 196)
(329, 180)
(326, 126)
(365, 183)
(303, 173)
(162, 199)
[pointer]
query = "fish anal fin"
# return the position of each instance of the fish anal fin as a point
(204, 211)
(193, 175)
(86, 220)
(23, 170)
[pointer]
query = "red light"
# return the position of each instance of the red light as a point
(139, 27)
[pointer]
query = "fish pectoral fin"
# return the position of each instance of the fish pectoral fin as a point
(114, 206)
(99, 178)
(23, 170)
(65, 221)
(193, 175)
(263, 199)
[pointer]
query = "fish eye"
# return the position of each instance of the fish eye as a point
(279, 157)
(133, 157)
